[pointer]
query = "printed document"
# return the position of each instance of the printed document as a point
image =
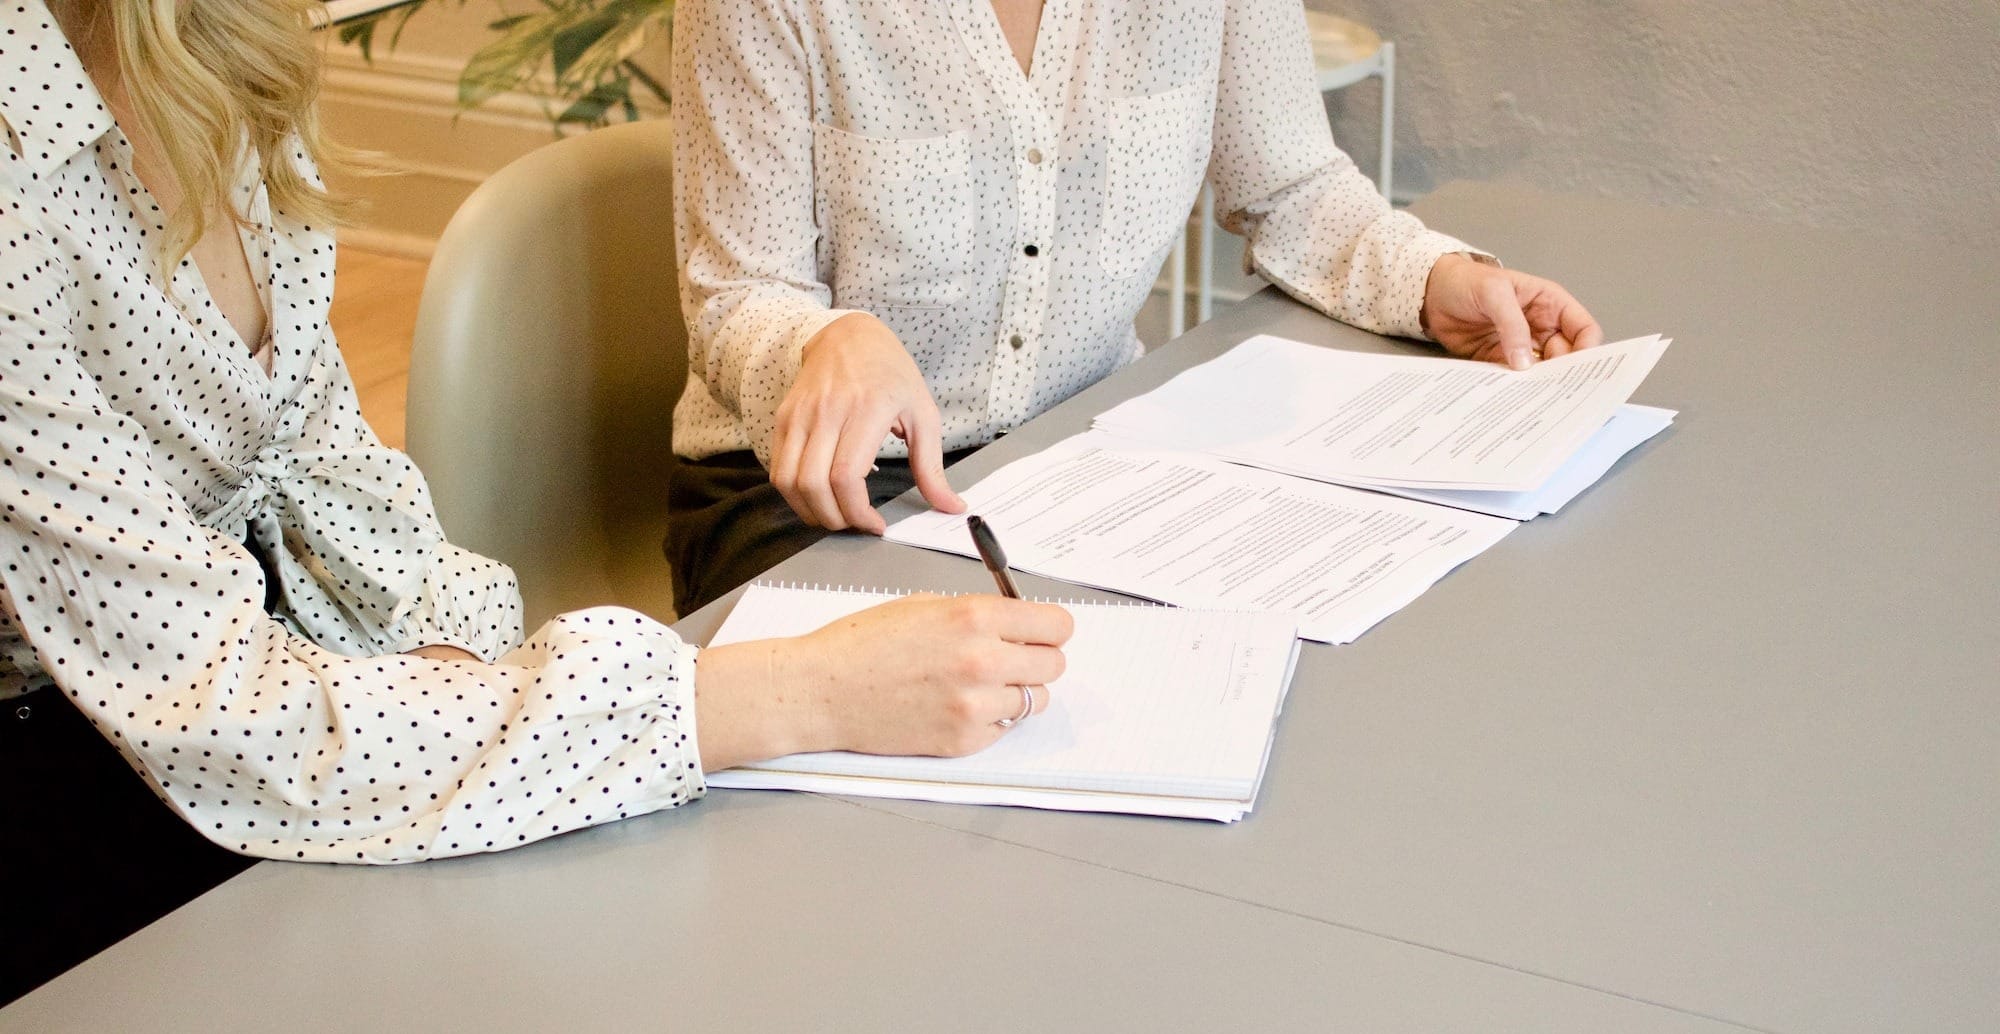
(1196, 531)
(1627, 429)
(1395, 421)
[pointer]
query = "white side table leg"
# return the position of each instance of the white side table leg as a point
(1204, 304)
(1388, 118)
(1177, 286)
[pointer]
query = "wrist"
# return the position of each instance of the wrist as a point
(747, 708)
(835, 332)
(810, 721)
(1446, 266)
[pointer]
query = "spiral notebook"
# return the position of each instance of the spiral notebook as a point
(1161, 711)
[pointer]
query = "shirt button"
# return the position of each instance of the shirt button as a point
(1034, 156)
(1031, 251)
(1017, 341)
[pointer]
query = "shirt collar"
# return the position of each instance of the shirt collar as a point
(47, 99)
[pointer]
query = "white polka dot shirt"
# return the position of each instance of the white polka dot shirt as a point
(889, 156)
(141, 446)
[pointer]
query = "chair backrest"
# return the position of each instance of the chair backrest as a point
(549, 353)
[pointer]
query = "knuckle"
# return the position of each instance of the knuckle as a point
(961, 707)
(966, 615)
(973, 668)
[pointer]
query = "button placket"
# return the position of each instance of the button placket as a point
(1024, 298)
(1032, 143)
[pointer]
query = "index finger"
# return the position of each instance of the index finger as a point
(860, 441)
(1579, 326)
(925, 436)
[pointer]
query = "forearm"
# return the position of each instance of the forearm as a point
(399, 758)
(1333, 243)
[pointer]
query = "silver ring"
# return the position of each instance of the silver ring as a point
(1027, 708)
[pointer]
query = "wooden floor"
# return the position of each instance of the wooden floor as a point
(374, 313)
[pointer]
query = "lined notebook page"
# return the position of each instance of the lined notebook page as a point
(1155, 701)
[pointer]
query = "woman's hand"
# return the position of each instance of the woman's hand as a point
(923, 675)
(857, 385)
(1498, 315)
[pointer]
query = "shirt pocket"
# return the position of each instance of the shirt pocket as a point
(1156, 152)
(899, 217)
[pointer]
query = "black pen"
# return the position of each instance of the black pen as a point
(991, 555)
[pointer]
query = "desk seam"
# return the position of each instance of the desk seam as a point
(1351, 928)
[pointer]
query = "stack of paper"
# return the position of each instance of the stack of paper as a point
(1467, 434)
(1160, 712)
(1196, 531)
(1229, 486)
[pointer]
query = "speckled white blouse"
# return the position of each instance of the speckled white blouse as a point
(890, 156)
(141, 445)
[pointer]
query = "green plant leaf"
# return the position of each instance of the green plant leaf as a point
(652, 85)
(602, 59)
(587, 46)
(363, 34)
(508, 61)
(590, 109)
(573, 41)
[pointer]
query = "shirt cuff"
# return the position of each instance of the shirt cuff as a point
(680, 699)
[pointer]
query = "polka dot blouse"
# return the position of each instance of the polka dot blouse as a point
(141, 448)
(889, 156)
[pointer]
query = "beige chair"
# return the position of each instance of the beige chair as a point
(549, 352)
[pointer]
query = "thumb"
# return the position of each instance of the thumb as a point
(1510, 326)
(925, 436)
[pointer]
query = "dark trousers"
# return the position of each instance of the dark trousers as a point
(88, 854)
(728, 524)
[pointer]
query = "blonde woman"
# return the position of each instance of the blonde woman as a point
(214, 574)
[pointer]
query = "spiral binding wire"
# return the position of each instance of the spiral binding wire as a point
(879, 592)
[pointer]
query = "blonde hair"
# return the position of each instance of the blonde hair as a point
(207, 77)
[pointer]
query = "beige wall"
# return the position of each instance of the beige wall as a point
(1879, 116)
(404, 107)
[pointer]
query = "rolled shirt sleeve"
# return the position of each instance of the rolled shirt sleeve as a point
(1317, 227)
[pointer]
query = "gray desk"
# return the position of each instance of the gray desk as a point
(1717, 748)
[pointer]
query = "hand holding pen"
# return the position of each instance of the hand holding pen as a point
(995, 560)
